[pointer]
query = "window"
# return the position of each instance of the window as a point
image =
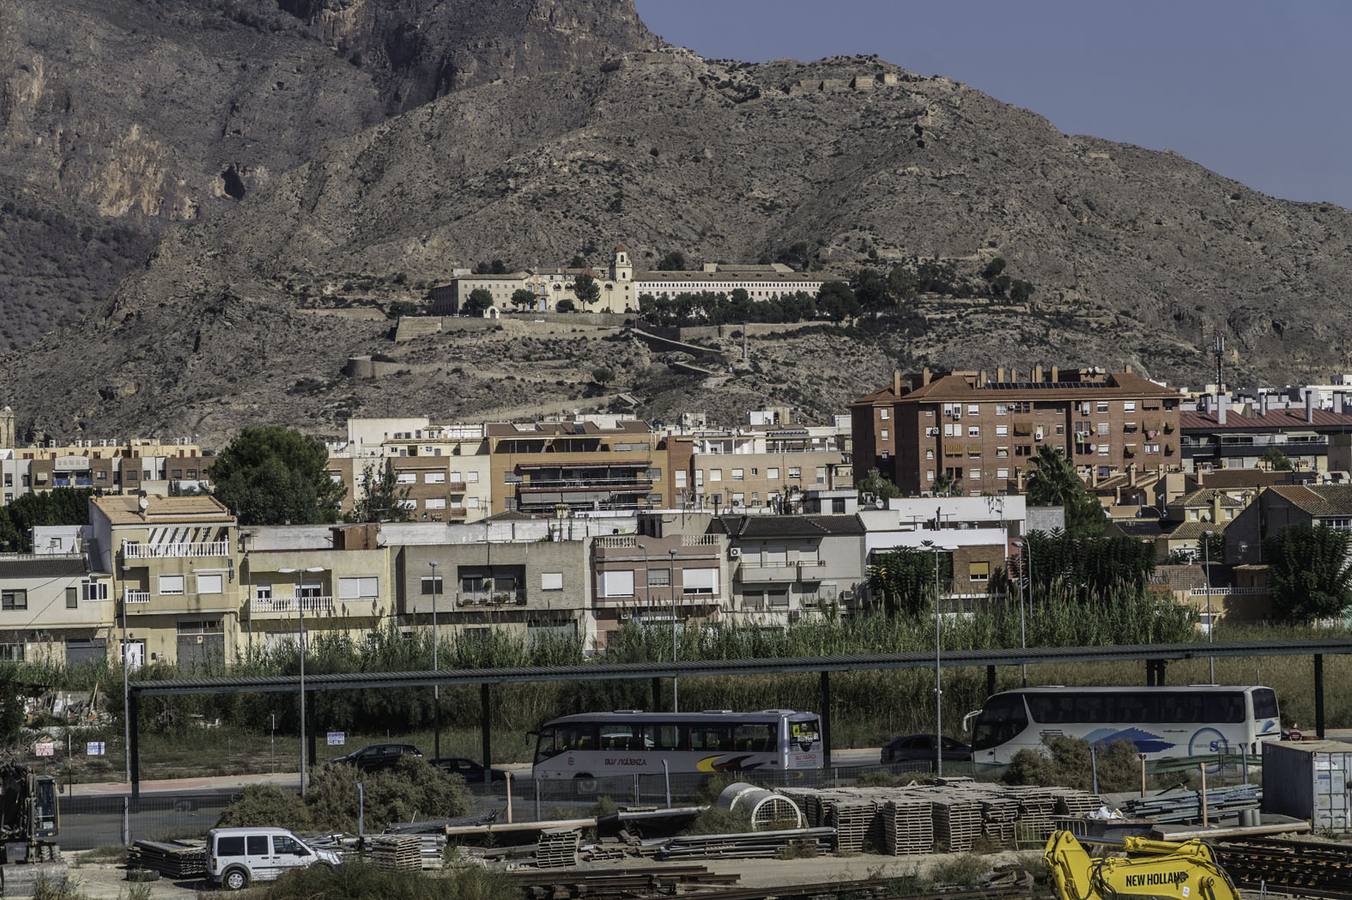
(257, 845)
(738, 474)
(1001, 409)
(1002, 473)
(699, 581)
(795, 473)
(434, 503)
(472, 477)
(715, 474)
(1129, 406)
(974, 431)
(210, 584)
(884, 414)
(282, 846)
(1103, 449)
(358, 587)
(406, 478)
(1103, 427)
(1023, 450)
(952, 430)
(979, 572)
(230, 846)
(551, 581)
(680, 478)
(1002, 453)
(821, 474)
(617, 584)
(1101, 406)
(435, 478)
(262, 592)
(772, 473)
(929, 474)
(430, 585)
(883, 434)
(72, 597)
(929, 454)
(171, 584)
(973, 409)
(1152, 448)
(94, 590)
(471, 503)
(738, 499)
(974, 474)
(659, 578)
(1264, 704)
(1002, 431)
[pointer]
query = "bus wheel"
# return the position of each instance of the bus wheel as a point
(585, 784)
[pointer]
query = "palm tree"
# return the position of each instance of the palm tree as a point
(1053, 481)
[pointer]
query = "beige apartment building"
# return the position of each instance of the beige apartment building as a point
(56, 608)
(445, 468)
(108, 466)
(762, 469)
(175, 574)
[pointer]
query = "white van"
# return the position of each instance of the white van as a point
(237, 857)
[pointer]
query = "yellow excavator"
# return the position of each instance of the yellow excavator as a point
(1164, 870)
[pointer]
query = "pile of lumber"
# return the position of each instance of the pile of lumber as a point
(749, 845)
(395, 852)
(557, 848)
(176, 860)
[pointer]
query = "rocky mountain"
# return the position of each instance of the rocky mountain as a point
(535, 151)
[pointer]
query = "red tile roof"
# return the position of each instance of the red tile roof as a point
(1277, 418)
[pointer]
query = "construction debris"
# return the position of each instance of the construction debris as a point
(557, 848)
(751, 845)
(173, 859)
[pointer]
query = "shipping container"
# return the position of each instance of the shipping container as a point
(1308, 780)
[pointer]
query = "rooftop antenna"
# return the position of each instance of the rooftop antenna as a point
(1218, 349)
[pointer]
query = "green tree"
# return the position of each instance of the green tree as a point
(59, 506)
(384, 499)
(11, 713)
(478, 300)
(872, 290)
(993, 268)
(496, 267)
(1053, 481)
(1020, 291)
(564, 305)
(522, 298)
(272, 475)
(672, 262)
(875, 483)
(1311, 577)
(578, 262)
(946, 485)
(1276, 460)
(836, 300)
(903, 581)
(1211, 546)
(603, 376)
(586, 289)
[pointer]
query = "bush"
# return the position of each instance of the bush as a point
(962, 870)
(1066, 763)
(564, 305)
(361, 881)
(267, 805)
(717, 820)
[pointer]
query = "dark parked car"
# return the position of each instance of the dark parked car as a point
(378, 757)
(473, 772)
(920, 748)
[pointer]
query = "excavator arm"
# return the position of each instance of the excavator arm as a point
(1161, 870)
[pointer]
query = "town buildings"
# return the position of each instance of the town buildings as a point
(1219, 436)
(107, 466)
(971, 434)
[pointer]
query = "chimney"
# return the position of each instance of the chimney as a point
(925, 376)
(1309, 406)
(1037, 372)
(1128, 369)
(1131, 474)
(1056, 374)
(981, 378)
(1222, 406)
(1338, 402)
(1000, 375)
(896, 382)
(1216, 507)
(1263, 400)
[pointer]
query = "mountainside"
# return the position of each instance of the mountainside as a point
(250, 312)
(118, 117)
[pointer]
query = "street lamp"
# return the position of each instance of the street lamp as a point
(300, 618)
(671, 579)
(936, 549)
(436, 688)
(1023, 619)
(1210, 620)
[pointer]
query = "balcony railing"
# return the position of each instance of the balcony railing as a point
(699, 540)
(175, 551)
(134, 597)
(494, 598)
(291, 604)
(617, 541)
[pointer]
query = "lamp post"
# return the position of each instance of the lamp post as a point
(936, 549)
(671, 578)
(1023, 619)
(436, 688)
(1210, 621)
(300, 641)
(126, 692)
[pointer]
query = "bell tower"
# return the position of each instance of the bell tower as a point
(7, 428)
(621, 269)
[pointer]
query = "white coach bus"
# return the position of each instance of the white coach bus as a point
(597, 745)
(1161, 722)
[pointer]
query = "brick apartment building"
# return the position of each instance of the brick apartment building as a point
(980, 432)
(873, 432)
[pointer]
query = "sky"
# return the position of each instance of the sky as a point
(1256, 90)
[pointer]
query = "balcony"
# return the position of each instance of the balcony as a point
(132, 598)
(699, 540)
(291, 605)
(808, 570)
(456, 487)
(176, 551)
(487, 598)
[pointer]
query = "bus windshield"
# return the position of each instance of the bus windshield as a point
(1001, 720)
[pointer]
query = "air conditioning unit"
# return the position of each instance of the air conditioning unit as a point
(734, 552)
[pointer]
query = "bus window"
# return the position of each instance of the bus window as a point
(754, 739)
(1180, 707)
(544, 745)
(1002, 718)
(1264, 703)
(621, 736)
(804, 734)
(1092, 708)
(575, 737)
(1134, 709)
(711, 738)
(662, 737)
(1223, 708)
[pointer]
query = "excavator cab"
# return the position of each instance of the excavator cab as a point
(1159, 870)
(46, 814)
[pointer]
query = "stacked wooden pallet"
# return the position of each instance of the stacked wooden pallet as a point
(172, 859)
(396, 852)
(999, 815)
(808, 801)
(852, 817)
(957, 821)
(1072, 802)
(908, 825)
(557, 848)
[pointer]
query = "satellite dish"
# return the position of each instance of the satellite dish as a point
(143, 503)
(880, 504)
